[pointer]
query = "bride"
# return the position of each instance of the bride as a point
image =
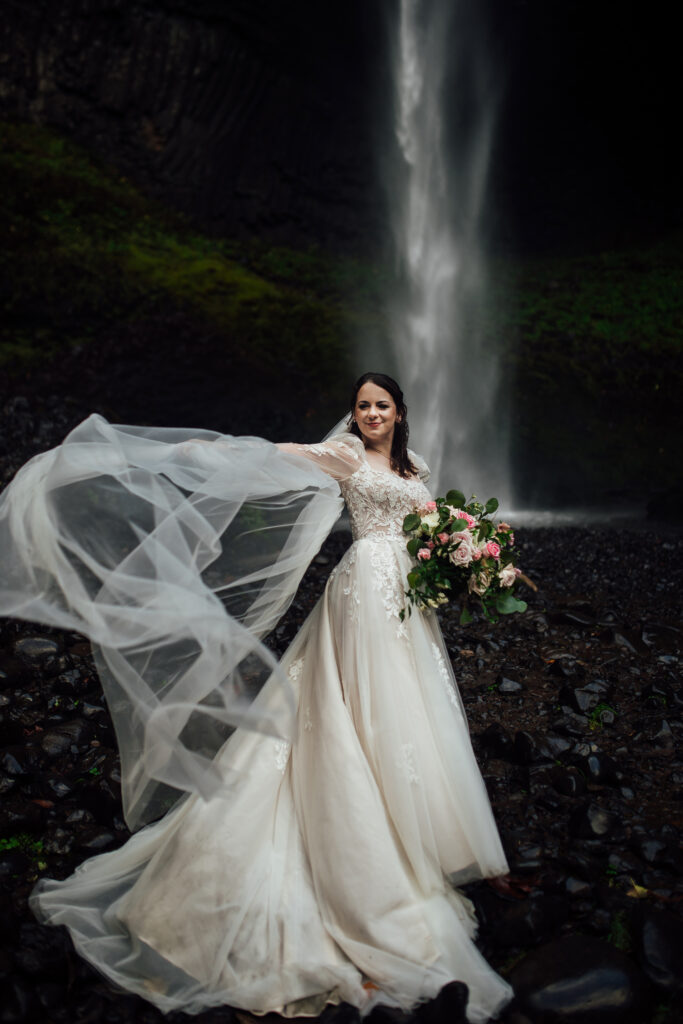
(311, 855)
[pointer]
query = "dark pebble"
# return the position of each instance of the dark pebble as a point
(450, 1005)
(590, 821)
(35, 648)
(59, 740)
(506, 685)
(568, 781)
(660, 950)
(12, 863)
(576, 980)
(97, 840)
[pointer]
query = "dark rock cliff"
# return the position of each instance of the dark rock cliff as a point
(242, 113)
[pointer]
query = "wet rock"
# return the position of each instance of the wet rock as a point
(450, 1005)
(63, 737)
(13, 761)
(663, 735)
(580, 700)
(7, 784)
(73, 682)
(19, 816)
(35, 648)
(655, 695)
(578, 979)
(18, 1002)
(506, 685)
(600, 769)
(41, 950)
(526, 749)
(60, 842)
(12, 670)
(577, 887)
(497, 741)
(58, 787)
(13, 863)
(80, 816)
(530, 921)
(590, 821)
(96, 840)
(568, 781)
(660, 950)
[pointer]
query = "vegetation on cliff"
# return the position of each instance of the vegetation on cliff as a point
(591, 345)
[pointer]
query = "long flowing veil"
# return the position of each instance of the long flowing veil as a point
(175, 552)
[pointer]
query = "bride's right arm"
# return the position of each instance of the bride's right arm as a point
(339, 457)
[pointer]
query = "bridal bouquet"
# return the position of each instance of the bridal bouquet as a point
(459, 550)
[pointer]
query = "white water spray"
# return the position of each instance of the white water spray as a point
(444, 121)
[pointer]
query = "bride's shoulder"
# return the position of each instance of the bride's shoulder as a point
(420, 465)
(351, 441)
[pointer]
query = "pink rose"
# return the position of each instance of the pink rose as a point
(476, 554)
(424, 554)
(458, 513)
(442, 538)
(430, 544)
(430, 506)
(511, 539)
(492, 549)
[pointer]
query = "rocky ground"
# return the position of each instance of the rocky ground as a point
(575, 709)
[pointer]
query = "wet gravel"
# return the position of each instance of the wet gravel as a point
(576, 713)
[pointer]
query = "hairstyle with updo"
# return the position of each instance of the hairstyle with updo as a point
(400, 460)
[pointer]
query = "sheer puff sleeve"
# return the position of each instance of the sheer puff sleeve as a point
(175, 552)
(420, 465)
(338, 456)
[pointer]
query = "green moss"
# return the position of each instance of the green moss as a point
(86, 250)
(27, 844)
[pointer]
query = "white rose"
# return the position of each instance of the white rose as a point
(507, 576)
(431, 520)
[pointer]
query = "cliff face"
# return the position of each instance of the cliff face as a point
(241, 113)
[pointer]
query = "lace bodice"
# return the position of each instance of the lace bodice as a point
(378, 501)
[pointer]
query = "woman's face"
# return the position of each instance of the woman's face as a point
(375, 414)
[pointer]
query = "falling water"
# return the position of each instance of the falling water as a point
(444, 122)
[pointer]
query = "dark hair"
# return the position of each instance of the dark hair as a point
(400, 460)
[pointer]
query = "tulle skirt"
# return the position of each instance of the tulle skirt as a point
(329, 872)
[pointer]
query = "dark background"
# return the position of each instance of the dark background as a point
(266, 125)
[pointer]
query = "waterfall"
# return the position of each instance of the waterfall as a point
(444, 119)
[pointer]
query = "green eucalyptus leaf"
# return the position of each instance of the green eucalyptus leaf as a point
(491, 506)
(459, 524)
(414, 546)
(507, 603)
(411, 522)
(413, 579)
(455, 498)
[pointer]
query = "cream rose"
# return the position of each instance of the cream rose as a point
(507, 576)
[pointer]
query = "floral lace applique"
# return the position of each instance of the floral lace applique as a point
(295, 669)
(282, 749)
(406, 762)
(446, 678)
(388, 580)
(308, 721)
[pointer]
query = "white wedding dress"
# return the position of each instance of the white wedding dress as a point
(325, 868)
